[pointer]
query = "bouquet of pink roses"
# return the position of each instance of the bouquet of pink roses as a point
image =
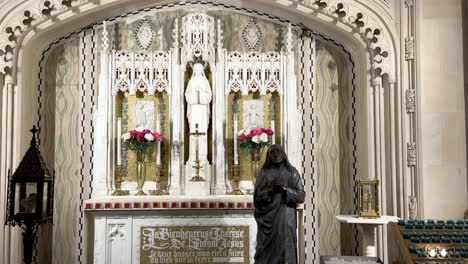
(141, 139)
(256, 138)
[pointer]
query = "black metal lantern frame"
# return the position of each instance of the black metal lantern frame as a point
(30, 196)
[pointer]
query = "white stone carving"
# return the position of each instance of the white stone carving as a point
(144, 34)
(27, 16)
(198, 38)
(141, 71)
(413, 207)
(252, 35)
(410, 101)
(143, 114)
(409, 48)
(411, 154)
(116, 232)
(198, 96)
(254, 71)
(252, 114)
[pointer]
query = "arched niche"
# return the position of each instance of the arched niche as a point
(334, 30)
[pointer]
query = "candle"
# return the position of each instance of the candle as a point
(236, 158)
(158, 144)
(119, 141)
(272, 126)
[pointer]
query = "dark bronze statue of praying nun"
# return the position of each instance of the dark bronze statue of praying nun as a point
(278, 190)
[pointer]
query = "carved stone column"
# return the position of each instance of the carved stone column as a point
(103, 180)
(177, 117)
(219, 181)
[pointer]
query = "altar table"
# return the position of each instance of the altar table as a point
(175, 229)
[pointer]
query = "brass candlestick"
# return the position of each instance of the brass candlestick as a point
(158, 190)
(236, 174)
(118, 182)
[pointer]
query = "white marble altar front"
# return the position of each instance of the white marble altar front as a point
(118, 223)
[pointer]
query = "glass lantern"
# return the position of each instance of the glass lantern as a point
(30, 190)
(368, 198)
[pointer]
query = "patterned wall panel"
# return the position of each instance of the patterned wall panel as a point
(333, 153)
(60, 146)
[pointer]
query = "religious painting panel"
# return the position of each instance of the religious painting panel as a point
(251, 111)
(148, 111)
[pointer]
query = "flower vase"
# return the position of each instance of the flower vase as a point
(255, 156)
(140, 171)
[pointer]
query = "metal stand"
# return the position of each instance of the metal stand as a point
(29, 236)
(118, 182)
(236, 190)
(197, 166)
(158, 190)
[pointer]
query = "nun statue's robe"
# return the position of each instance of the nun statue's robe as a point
(275, 213)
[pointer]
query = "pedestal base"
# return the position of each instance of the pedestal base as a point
(368, 239)
(367, 227)
(197, 186)
(247, 187)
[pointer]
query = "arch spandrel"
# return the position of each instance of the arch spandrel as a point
(363, 21)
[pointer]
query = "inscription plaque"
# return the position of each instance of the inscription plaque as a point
(194, 244)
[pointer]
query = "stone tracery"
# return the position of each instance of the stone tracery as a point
(371, 29)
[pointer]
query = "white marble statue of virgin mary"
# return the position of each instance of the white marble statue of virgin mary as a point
(198, 96)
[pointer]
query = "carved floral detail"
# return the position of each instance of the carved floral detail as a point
(410, 101)
(413, 207)
(116, 232)
(409, 48)
(411, 154)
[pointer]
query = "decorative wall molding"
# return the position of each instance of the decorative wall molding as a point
(251, 35)
(365, 21)
(144, 34)
(410, 101)
(409, 48)
(411, 153)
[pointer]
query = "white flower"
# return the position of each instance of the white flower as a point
(126, 136)
(139, 129)
(256, 139)
(241, 132)
(264, 137)
(149, 137)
